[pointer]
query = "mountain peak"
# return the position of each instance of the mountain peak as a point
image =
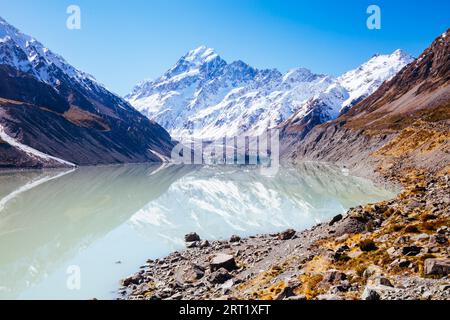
(26, 54)
(7, 31)
(402, 54)
(298, 74)
(200, 55)
(397, 55)
(365, 79)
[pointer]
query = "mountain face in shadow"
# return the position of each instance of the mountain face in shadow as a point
(48, 106)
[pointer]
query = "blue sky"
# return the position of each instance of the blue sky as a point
(124, 42)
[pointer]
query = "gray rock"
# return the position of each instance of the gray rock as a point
(301, 297)
(444, 287)
(235, 238)
(134, 279)
(383, 281)
(411, 250)
(420, 237)
(370, 294)
(191, 237)
(403, 263)
(204, 244)
(392, 252)
(333, 276)
(427, 295)
(219, 276)
(287, 234)
(442, 230)
(193, 244)
(228, 284)
(328, 297)
(223, 260)
(343, 238)
(288, 290)
(344, 286)
(402, 240)
(349, 226)
(336, 219)
(439, 238)
(193, 273)
(371, 271)
(437, 267)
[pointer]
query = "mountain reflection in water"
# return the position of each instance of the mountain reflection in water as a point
(94, 217)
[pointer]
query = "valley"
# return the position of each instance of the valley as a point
(357, 209)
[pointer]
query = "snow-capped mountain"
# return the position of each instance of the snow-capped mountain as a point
(365, 80)
(345, 92)
(26, 54)
(204, 96)
(52, 113)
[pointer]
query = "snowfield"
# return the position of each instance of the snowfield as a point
(203, 96)
(29, 150)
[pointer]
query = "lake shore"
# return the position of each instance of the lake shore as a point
(396, 249)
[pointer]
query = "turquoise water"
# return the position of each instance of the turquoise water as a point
(107, 221)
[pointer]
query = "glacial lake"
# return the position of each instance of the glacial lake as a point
(107, 221)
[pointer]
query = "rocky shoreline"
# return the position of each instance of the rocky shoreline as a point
(396, 249)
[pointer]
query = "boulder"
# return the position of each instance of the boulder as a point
(192, 273)
(383, 281)
(371, 271)
(420, 237)
(336, 219)
(344, 286)
(193, 244)
(333, 276)
(204, 244)
(439, 238)
(392, 252)
(402, 263)
(219, 276)
(288, 290)
(191, 237)
(342, 238)
(287, 234)
(134, 279)
(437, 267)
(349, 226)
(411, 250)
(370, 294)
(223, 260)
(235, 238)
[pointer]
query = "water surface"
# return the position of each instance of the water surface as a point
(109, 220)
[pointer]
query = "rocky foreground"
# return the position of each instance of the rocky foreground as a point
(395, 249)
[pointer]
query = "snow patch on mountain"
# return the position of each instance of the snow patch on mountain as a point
(26, 54)
(203, 96)
(363, 81)
(29, 150)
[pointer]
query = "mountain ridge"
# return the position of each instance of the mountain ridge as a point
(404, 124)
(51, 107)
(204, 96)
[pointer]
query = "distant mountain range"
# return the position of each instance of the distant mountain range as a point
(52, 114)
(204, 96)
